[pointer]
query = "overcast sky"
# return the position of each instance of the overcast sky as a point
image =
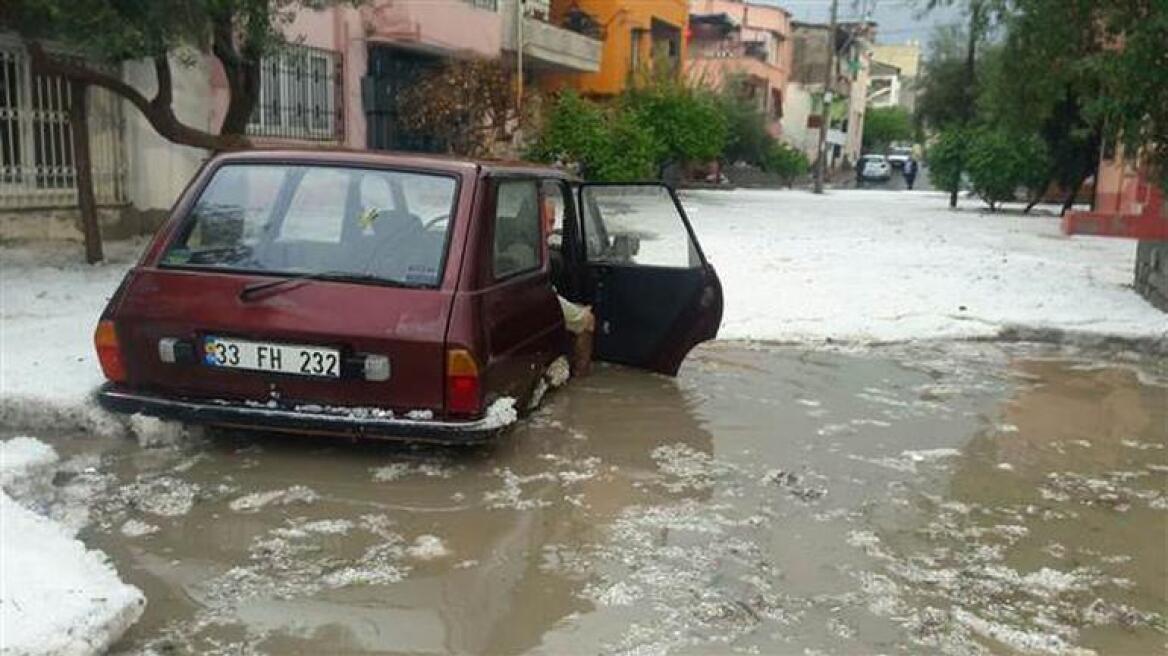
(898, 20)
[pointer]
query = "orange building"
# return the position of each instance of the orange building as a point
(1128, 203)
(636, 33)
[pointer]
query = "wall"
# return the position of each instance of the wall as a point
(796, 109)
(906, 57)
(158, 169)
(436, 26)
(621, 17)
(1151, 279)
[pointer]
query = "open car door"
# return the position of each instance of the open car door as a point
(654, 295)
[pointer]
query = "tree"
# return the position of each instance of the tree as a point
(941, 95)
(468, 105)
(685, 120)
(747, 138)
(1034, 83)
(979, 26)
(238, 33)
(786, 162)
(885, 125)
(604, 143)
(1133, 73)
(1000, 162)
(1103, 66)
(947, 158)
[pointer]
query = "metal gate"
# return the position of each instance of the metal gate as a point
(36, 139)
(390, 71)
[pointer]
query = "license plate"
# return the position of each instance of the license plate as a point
(278, 358)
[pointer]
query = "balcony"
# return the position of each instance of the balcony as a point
(548, 46)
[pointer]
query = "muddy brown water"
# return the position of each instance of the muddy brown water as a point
(948, 498)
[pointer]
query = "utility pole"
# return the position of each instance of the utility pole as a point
(519, 53)
(825, 111)
(970, 74)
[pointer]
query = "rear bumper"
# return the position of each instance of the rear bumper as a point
(223, 413)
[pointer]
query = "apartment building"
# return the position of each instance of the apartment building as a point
(747, 41)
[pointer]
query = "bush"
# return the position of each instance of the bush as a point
(947, 159)
(1000, 162)
(786, 162)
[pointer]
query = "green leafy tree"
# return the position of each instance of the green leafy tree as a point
(1034, 83)
(686, 120)
(603, 143)
(747, 138)
(947, 158)
(1000, 163)
(942, 90)
(1132, 71)
(885, 125)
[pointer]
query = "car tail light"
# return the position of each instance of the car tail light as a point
(109, 354)
(462, 383)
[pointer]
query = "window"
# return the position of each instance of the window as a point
(340, 221)
(636, 224)
(517, 232)
(298, 95)
(36, 137)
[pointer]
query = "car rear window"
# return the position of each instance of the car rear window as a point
(296, 220)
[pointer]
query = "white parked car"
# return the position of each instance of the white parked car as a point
(898, 155)
(875, 167)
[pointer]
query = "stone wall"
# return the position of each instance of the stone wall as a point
(1152, 272)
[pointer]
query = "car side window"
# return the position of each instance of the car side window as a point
(638, 225)
(552, 211)
(517, 241)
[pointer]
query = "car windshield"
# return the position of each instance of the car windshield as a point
(297, 220)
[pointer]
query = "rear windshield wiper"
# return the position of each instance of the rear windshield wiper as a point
(251, 291)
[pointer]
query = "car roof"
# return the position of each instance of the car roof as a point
(351, 157)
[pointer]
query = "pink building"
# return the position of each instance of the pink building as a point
(334, 82)
(752, 41)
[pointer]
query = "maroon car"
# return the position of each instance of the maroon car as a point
(391, 295)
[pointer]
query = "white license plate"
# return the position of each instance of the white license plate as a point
(279, 358)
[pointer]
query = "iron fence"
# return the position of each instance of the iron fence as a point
(36, 138)
(300, 96)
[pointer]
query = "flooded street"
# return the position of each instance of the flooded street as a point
(956, 498)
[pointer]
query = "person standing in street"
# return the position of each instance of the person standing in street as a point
(910, 172)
